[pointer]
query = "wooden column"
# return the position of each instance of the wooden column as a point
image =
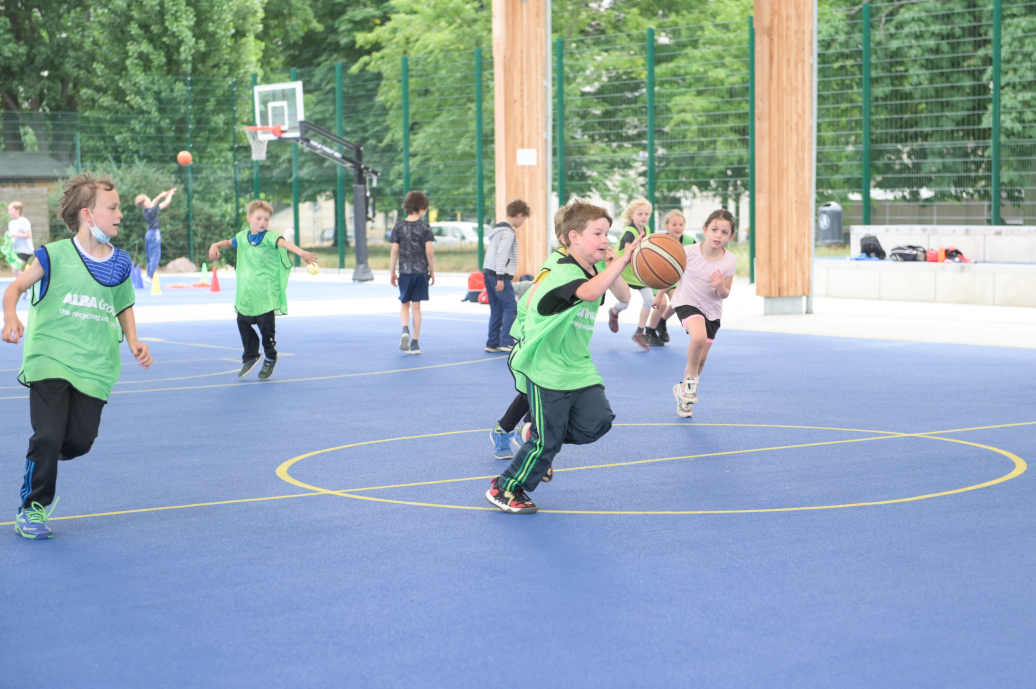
(784, 151)
(519, 64)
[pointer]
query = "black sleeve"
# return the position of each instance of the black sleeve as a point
(627, 237)
(395, 232)
(560, 298)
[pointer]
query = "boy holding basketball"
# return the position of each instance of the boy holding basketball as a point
(153, 236)
(552, 363)
(82, 308)
(263, 267)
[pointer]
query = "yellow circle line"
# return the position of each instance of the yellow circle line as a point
(1019, 468)
(162, 380)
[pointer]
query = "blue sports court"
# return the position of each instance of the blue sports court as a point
(839, 512)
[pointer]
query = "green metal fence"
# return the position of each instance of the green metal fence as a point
(926, 108)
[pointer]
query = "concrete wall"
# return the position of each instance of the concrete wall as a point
(953, 283)
(985, 243)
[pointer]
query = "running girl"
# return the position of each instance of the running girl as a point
(634, 219)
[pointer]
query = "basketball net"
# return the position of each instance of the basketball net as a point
(258, 145)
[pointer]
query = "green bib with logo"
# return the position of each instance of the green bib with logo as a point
(262, 276)
(73, 332)
(554, 351)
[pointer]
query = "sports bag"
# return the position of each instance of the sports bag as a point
(953, 255)
(908, 253)
(870, 245)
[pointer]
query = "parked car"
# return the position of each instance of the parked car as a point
(456, 233)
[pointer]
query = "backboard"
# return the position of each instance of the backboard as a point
(279, 104)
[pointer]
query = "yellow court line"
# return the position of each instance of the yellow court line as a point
(980, 428)
(289, 380)
(161, 380)
(195, 344)
(176, 507)
(1019, 468)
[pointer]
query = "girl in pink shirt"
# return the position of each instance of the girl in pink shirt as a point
(698, 300)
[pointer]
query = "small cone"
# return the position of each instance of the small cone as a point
(214, 285)
(138, 282)
(204, 267)
(156, 287)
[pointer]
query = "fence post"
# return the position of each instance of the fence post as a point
(751, 150)
(406, 127)
(559, 94)
(866, 181)
(480, 197)
(190, 180)
(651, 125)
(255, 122)
(995, 201)
(233, 151)
(343, 233)
(79, 150)
(295, 184)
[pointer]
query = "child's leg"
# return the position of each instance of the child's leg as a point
(513, 416)
(550, 412)
(645, 311)
(64, 424)
(268, 330)
(589, 418)
(416, 306)
(496, 312)
(404, 313)
(698, 346)
(510, 313)
(249, 340)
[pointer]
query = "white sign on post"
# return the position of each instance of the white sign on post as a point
(526, 156)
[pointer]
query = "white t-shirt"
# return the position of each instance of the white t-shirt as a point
(695, 287)
(22, 245)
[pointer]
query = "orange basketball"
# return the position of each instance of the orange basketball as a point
(659, 261)
(184, 157)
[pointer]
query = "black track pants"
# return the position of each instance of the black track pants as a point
(559, 417)
(267, 323)
(513, 416)
(64, 424)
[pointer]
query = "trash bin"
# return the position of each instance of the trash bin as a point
(829, 223)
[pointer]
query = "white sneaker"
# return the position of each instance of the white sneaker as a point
(690, 390)
(404, 341)
(683, 409)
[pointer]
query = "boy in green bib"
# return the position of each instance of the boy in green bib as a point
(82, 306)
(262, 282)
(551, 363)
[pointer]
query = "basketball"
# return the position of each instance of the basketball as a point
(659, 261)
(184, 157)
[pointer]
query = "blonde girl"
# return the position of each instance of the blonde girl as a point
(634, 220)
(674, 223)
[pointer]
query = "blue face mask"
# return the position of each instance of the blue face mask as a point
(98, 235)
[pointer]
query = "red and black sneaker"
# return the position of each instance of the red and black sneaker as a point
(613, 321)
(516, 502)
(663, 332)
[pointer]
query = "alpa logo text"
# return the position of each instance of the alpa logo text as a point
(88, 302)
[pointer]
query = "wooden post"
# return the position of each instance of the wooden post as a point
(784, 152)
(519, 68)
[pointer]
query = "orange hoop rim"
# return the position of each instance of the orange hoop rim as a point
(278, 130)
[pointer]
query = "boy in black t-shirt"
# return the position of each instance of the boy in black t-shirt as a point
(412, 247)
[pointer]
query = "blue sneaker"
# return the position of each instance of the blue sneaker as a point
(32, 522)
(501, 446)
(519, 437)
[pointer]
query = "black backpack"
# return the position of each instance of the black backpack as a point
(870, 245)
(908, 253)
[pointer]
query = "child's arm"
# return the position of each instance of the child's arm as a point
(722, 285)
(393, 257)
(429, 252)
(216, 246)
(595, 287)
(168, 200)
(21, 235)
(13, 328)
(307, 256)
(137, 348)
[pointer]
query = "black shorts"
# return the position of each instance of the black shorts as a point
(413, 287)
(683, 312)
(25, 258)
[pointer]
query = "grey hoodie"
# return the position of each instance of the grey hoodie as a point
(501, 251)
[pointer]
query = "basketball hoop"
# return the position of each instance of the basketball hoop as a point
(258, 143)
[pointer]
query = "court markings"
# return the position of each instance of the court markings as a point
(282, 471)
(1019, 468)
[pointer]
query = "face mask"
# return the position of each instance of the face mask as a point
(98, 235)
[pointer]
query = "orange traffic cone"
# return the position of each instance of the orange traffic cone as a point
(214, 286)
